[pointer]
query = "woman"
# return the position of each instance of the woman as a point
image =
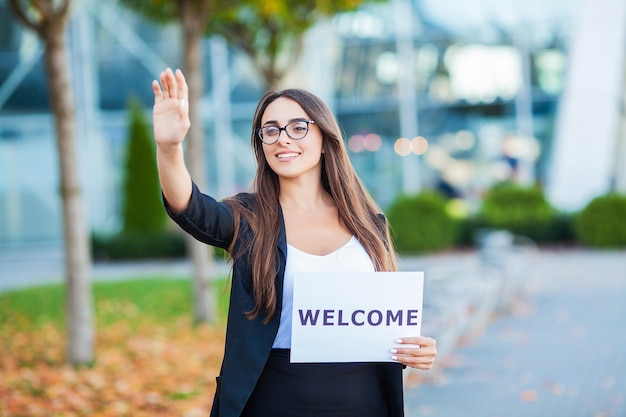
(308, 212)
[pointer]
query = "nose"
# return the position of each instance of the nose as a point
(283, 139)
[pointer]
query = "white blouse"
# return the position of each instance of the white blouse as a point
(351, 257)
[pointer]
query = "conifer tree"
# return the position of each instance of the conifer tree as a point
(142, 206)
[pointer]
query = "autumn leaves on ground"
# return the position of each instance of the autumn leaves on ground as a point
(151, 360)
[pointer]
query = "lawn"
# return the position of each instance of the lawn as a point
(151, 359)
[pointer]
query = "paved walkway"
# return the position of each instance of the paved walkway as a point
(22, 267)
(561, 351)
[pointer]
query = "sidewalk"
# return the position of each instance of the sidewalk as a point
(559, 352)
(22, 267)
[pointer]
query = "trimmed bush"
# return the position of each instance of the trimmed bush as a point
(144, 231)
(601, 223)
(142, 206)
(420, 223)
(520, 210)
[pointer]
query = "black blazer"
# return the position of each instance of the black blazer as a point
(249, 342)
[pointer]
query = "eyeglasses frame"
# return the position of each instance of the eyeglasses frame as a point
(284, 129)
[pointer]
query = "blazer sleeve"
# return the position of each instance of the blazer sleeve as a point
(206, 219)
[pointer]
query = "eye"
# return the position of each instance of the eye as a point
(298, 127)
(271, 131)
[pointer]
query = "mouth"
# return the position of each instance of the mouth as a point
(287, 155)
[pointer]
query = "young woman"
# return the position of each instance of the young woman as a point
(308, 212)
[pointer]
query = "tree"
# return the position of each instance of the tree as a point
(142, 207)
(48, 18)
(266, 31)
(193, 16)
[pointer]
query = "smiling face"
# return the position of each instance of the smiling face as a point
(290, 158)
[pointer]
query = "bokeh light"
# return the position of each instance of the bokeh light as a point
(372, 142)
(356, 143)
(368, 142)
(402, 146)
(419, 145)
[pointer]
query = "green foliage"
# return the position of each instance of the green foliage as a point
(421, 223)
(266, 26)
(219, 253)
(521, 210)
(266, 30)
(144, 232)
(158, 299)
(159, 11)
(139, 245)
(142, 206)
(601, 223)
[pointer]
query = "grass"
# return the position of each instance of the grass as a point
(154, 299)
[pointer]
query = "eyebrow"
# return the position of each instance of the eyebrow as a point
(275, 122)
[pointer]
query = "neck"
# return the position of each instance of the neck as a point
(300, 194)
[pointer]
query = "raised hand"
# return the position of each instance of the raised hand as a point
(170, 114)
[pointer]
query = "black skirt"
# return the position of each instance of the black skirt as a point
(289, 389)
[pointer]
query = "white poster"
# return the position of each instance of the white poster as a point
(354, 317)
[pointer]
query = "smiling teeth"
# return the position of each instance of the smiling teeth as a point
(288, 155)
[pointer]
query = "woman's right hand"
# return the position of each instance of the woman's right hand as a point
(170, 114)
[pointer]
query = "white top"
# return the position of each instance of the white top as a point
(351, 257)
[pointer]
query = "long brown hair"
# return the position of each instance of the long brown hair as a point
(357, 210)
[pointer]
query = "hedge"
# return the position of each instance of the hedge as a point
(601, 223)
(420, 223)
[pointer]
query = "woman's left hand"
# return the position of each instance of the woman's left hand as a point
(419, 357)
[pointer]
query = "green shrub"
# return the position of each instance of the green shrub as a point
(219, 254)
(521, 210)
(420, 223)
(601, 223)
(142, 208)
(139, 245)
(144, 232)
(468, 229)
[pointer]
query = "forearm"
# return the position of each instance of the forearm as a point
(174, 176)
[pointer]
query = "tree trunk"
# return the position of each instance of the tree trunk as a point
(77, 254)
(193, 27)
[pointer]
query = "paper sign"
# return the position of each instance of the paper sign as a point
(354, 316)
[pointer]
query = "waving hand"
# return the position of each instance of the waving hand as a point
(170, 119)
(170, 113)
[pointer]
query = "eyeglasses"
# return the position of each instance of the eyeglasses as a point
(295, 130)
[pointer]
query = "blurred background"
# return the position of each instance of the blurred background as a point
(444, 95)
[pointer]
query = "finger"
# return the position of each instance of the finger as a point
(165, 84)
(423, 352)
(172, 84)
(421, 366)
(413, 361)
(158, 94)
(423, 362)
(183, 90)
(417, 340)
